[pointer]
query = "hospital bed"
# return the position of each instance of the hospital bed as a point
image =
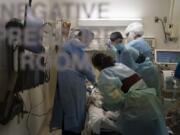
(99, 121)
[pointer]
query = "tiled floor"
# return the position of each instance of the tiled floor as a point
(46, 132)
(58, 132)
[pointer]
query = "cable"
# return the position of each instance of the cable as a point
(38, 104)
(27, 123)
(36, 115)
(27, 120)
(47, 76)
(29, 113)
(41, 115)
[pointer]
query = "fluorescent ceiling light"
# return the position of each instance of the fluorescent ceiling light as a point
(111, 19)
(116, 22)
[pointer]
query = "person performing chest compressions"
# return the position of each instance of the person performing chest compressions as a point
(123, 90)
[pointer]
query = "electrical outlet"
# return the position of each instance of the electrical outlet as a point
(172, 31)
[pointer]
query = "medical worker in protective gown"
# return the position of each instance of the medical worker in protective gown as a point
(132, 58)
(134, 33)
(69, 111)
(124, 90)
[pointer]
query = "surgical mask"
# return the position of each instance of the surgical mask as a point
(119, 47)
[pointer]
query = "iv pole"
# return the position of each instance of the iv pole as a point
(29, 4)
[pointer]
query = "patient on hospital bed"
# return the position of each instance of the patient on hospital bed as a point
(100, 122)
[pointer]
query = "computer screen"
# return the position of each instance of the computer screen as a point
(167, 56)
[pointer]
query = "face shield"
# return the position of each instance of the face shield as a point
(134, 30)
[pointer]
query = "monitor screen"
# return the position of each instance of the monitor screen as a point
(167, 56)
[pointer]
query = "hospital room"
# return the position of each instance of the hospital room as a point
(89, 67)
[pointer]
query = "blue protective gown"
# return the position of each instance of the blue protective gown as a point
(150, 74)
(147, 70)
(140, 109)
(119, 48)
(70, 99)
(128, 57)
(124, 54)
(142, 46)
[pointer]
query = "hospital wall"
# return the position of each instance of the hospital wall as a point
(145, 9)
(177, 16)
(133, 9)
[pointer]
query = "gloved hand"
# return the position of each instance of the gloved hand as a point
(112, 115)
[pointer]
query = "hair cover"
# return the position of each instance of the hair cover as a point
(136, 28)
